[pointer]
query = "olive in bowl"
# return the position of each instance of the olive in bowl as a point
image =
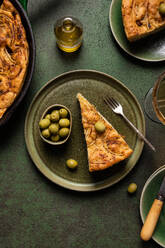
(55, 124)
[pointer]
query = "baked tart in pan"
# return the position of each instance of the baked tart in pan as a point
(14, 55)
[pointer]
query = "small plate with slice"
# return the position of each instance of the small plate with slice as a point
(150, 49)
(148, 195)
(51, 161)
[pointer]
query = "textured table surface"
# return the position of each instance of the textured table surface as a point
(34, 212)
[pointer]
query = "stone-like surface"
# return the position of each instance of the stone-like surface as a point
(35, 213)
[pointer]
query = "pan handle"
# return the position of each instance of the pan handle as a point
(24, 3)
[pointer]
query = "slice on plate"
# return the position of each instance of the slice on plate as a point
(142, 17)
(105, 148)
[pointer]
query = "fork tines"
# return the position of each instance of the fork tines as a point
(110, 101)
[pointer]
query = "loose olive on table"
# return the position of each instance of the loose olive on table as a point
(55, 124)
(132, 188)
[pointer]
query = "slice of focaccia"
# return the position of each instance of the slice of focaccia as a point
(104, 149)
(142, 18)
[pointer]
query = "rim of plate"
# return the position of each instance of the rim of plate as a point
(131, 54)
(153, 175)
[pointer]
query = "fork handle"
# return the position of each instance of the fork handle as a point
(139, 133)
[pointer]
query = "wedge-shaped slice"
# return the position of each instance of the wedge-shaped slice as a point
(141, 18)
(104, 149)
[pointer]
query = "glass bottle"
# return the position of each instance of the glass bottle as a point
(68, 31)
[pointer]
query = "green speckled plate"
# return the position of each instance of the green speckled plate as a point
(63, 90)
(149, 193)
(149, 49)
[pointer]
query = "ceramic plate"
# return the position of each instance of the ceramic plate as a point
(148, 49)
(63, 90)
(150, 190)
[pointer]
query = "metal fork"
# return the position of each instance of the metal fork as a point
(118, 109)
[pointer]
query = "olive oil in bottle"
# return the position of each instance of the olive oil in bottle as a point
(68, 32)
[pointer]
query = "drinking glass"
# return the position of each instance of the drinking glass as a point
(155, 101)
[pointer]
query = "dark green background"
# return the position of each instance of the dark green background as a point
(34, 212)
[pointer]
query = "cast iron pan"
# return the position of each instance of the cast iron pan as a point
(30, 38)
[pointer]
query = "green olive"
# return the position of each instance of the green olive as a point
(63, 132)
(47, 116)
(64, 122)
(54, 116)
(46, 133)
(162, 8)
(100, 127)
(71, 163)
(63, 113)
(55, 138)
(56, 111)
(53, 128)
(44, 123)
(132, 188)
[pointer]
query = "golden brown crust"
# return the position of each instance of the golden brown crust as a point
(141, 18)
(105, 149)
(14, 55)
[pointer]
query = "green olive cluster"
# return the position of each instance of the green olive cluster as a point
(55, 126)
